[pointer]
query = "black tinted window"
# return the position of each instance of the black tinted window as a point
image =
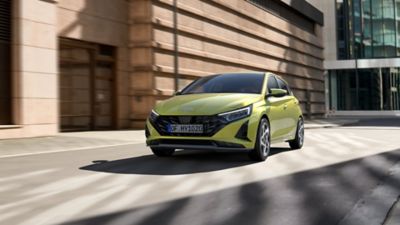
(272, 84)
(283, 85)
(251, 83)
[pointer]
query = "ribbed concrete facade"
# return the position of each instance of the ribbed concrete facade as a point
(219, 36)
(136, 39)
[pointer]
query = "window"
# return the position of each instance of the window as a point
(5, 62)
(342, 31)
(272, 83)
(365, 89)
(283, 85)
(367, 29)
(227, 83)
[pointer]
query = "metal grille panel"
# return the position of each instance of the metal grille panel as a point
(212, 124)
(5, 21)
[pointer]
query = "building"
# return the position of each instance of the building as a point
(362, 50)
(100, 64)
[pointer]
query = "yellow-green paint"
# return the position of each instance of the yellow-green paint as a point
(281, 112)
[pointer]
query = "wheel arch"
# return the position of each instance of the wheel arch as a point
(264, 115)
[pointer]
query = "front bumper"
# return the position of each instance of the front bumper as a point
(196, 145)
(225, 139)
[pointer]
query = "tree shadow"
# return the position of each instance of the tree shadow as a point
(183, 162)
(319, 196)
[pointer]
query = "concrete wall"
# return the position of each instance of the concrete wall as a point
(329, 29)
(220, 36)
(34, 70)
(214, 36)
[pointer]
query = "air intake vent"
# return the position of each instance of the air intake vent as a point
(5, 21)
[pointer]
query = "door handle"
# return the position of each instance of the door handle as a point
(285, 106)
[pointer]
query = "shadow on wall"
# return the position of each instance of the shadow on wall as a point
(304, 83)
(183, 162)
(72, 28)
(320, 196)
(95, 21)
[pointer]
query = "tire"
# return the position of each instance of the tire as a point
(298, 141)
(163, 152)
(263, 146)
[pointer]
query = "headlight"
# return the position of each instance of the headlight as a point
(153, 116)
(236, 114)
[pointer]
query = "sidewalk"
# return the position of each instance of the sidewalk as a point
(329, 122)
(70, 142)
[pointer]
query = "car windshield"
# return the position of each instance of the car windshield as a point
(250, 83)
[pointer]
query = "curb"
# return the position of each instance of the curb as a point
(321, 126)
(329, 125)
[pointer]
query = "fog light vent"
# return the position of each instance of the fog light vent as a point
(242, 132)
(146, 131)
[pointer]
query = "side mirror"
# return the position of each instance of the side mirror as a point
(275, 92)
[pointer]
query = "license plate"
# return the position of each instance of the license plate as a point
(186, 128)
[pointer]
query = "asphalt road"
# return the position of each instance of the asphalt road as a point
(340, 174)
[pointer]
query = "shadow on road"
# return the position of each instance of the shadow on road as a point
(183, 162)
(319, 196)
(378, 122)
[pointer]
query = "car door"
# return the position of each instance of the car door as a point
(289, 110)
(276, 110)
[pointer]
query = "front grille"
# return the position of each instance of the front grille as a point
(211, 124)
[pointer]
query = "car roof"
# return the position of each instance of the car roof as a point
(241, 73)
(251, 72)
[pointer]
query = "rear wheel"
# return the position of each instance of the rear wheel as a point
(298, 141)
(263, 146)
(163, 152)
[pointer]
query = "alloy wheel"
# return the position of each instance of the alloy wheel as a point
(301, 131)
(264, 139)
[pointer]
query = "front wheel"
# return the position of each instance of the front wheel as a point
(297, 142)
(163, 152)
(263, 146)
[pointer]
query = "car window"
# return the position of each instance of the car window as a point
(283, 85)
(251, 83)
(272, 83)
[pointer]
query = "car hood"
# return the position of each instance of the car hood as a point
(205, 104)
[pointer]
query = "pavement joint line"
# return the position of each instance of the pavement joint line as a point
(375, 206)
(67, 150)
(391, 211)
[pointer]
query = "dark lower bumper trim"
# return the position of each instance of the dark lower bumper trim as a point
(195, 144)
(198, 147)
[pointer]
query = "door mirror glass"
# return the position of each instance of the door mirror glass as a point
(276, 92)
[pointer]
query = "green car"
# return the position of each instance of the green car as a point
(228, 112)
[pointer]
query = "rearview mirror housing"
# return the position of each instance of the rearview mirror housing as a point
(276, 92)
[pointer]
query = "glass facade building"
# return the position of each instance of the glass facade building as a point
(368, 28)
(366, 72)
(365, 89)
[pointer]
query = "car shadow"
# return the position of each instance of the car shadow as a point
(183, 162)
